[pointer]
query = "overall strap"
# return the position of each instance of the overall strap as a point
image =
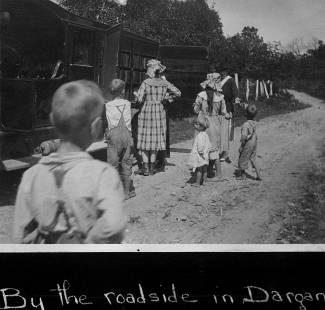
(62, 207)
(121, 122)
(253, 131)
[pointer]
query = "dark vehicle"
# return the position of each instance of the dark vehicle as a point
(44, 46)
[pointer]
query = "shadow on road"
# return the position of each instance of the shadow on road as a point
(179, 150)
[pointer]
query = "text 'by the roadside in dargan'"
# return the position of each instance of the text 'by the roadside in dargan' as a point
(63, 294)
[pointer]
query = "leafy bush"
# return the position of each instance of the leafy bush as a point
(181, 127)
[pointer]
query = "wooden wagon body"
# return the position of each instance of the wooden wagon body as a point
(44, 46)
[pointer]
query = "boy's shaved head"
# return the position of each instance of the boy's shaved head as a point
(116, 87)
(74, 106)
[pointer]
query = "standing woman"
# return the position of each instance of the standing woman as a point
(152, 118)
(230, 91)
(210, 104)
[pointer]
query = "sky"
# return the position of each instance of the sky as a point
(276, 20)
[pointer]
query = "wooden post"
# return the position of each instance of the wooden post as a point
(236, 80)
(271, 88)
(247, 89)
(262, 89)
(256, 95)
(265, 89)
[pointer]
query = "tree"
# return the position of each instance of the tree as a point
(168, 21)
(106, 11)
(245, 53)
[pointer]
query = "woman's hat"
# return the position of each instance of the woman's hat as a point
(213, 81)
(154, 65)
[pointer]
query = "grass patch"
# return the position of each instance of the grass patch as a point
(314, 88)
(182, 129)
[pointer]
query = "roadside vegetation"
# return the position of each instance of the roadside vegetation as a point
(305, 215)
(181, 128)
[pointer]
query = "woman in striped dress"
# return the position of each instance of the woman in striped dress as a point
(152, 118)
(210, 104)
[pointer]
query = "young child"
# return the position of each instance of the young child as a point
(199, 158)
(247, 150)
(119, 135)
(69, 197)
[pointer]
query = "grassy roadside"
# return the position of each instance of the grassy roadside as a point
(305, 216)
(314, 88)
(181, 129)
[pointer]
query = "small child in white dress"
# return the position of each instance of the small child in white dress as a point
(199, 157)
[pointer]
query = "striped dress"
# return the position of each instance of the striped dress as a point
(152, 118)
(215, 118)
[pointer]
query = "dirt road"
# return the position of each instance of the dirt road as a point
(168, 210)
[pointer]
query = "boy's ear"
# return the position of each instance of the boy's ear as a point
(97, 128)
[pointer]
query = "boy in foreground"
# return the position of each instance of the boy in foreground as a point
(69, 197)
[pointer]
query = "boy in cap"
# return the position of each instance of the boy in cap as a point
(119, 135)
(247, 150)
(69, 197)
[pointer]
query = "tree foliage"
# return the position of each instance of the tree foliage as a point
(193, 22)
(189, 22)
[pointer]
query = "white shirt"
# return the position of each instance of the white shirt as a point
(114, 111)
(200, 151)
(90, 186)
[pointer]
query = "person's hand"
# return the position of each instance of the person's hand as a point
(169, 98)
(228, 116)
(136, 96)
(237, 100)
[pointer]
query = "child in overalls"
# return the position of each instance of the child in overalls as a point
(119, 135)
(248, 140)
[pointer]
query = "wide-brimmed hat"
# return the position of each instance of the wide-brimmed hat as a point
(154, 65)
(213, 81)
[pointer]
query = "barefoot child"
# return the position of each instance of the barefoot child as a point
(247, 150)
(199, 158)
(119, 135)
(69, 197)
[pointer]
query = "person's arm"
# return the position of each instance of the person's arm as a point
(110, 226)
(140, 95)
(173, 91)
(244, 134)
(197, 104)
(200, 144)
(223, 109)
(128, 113)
